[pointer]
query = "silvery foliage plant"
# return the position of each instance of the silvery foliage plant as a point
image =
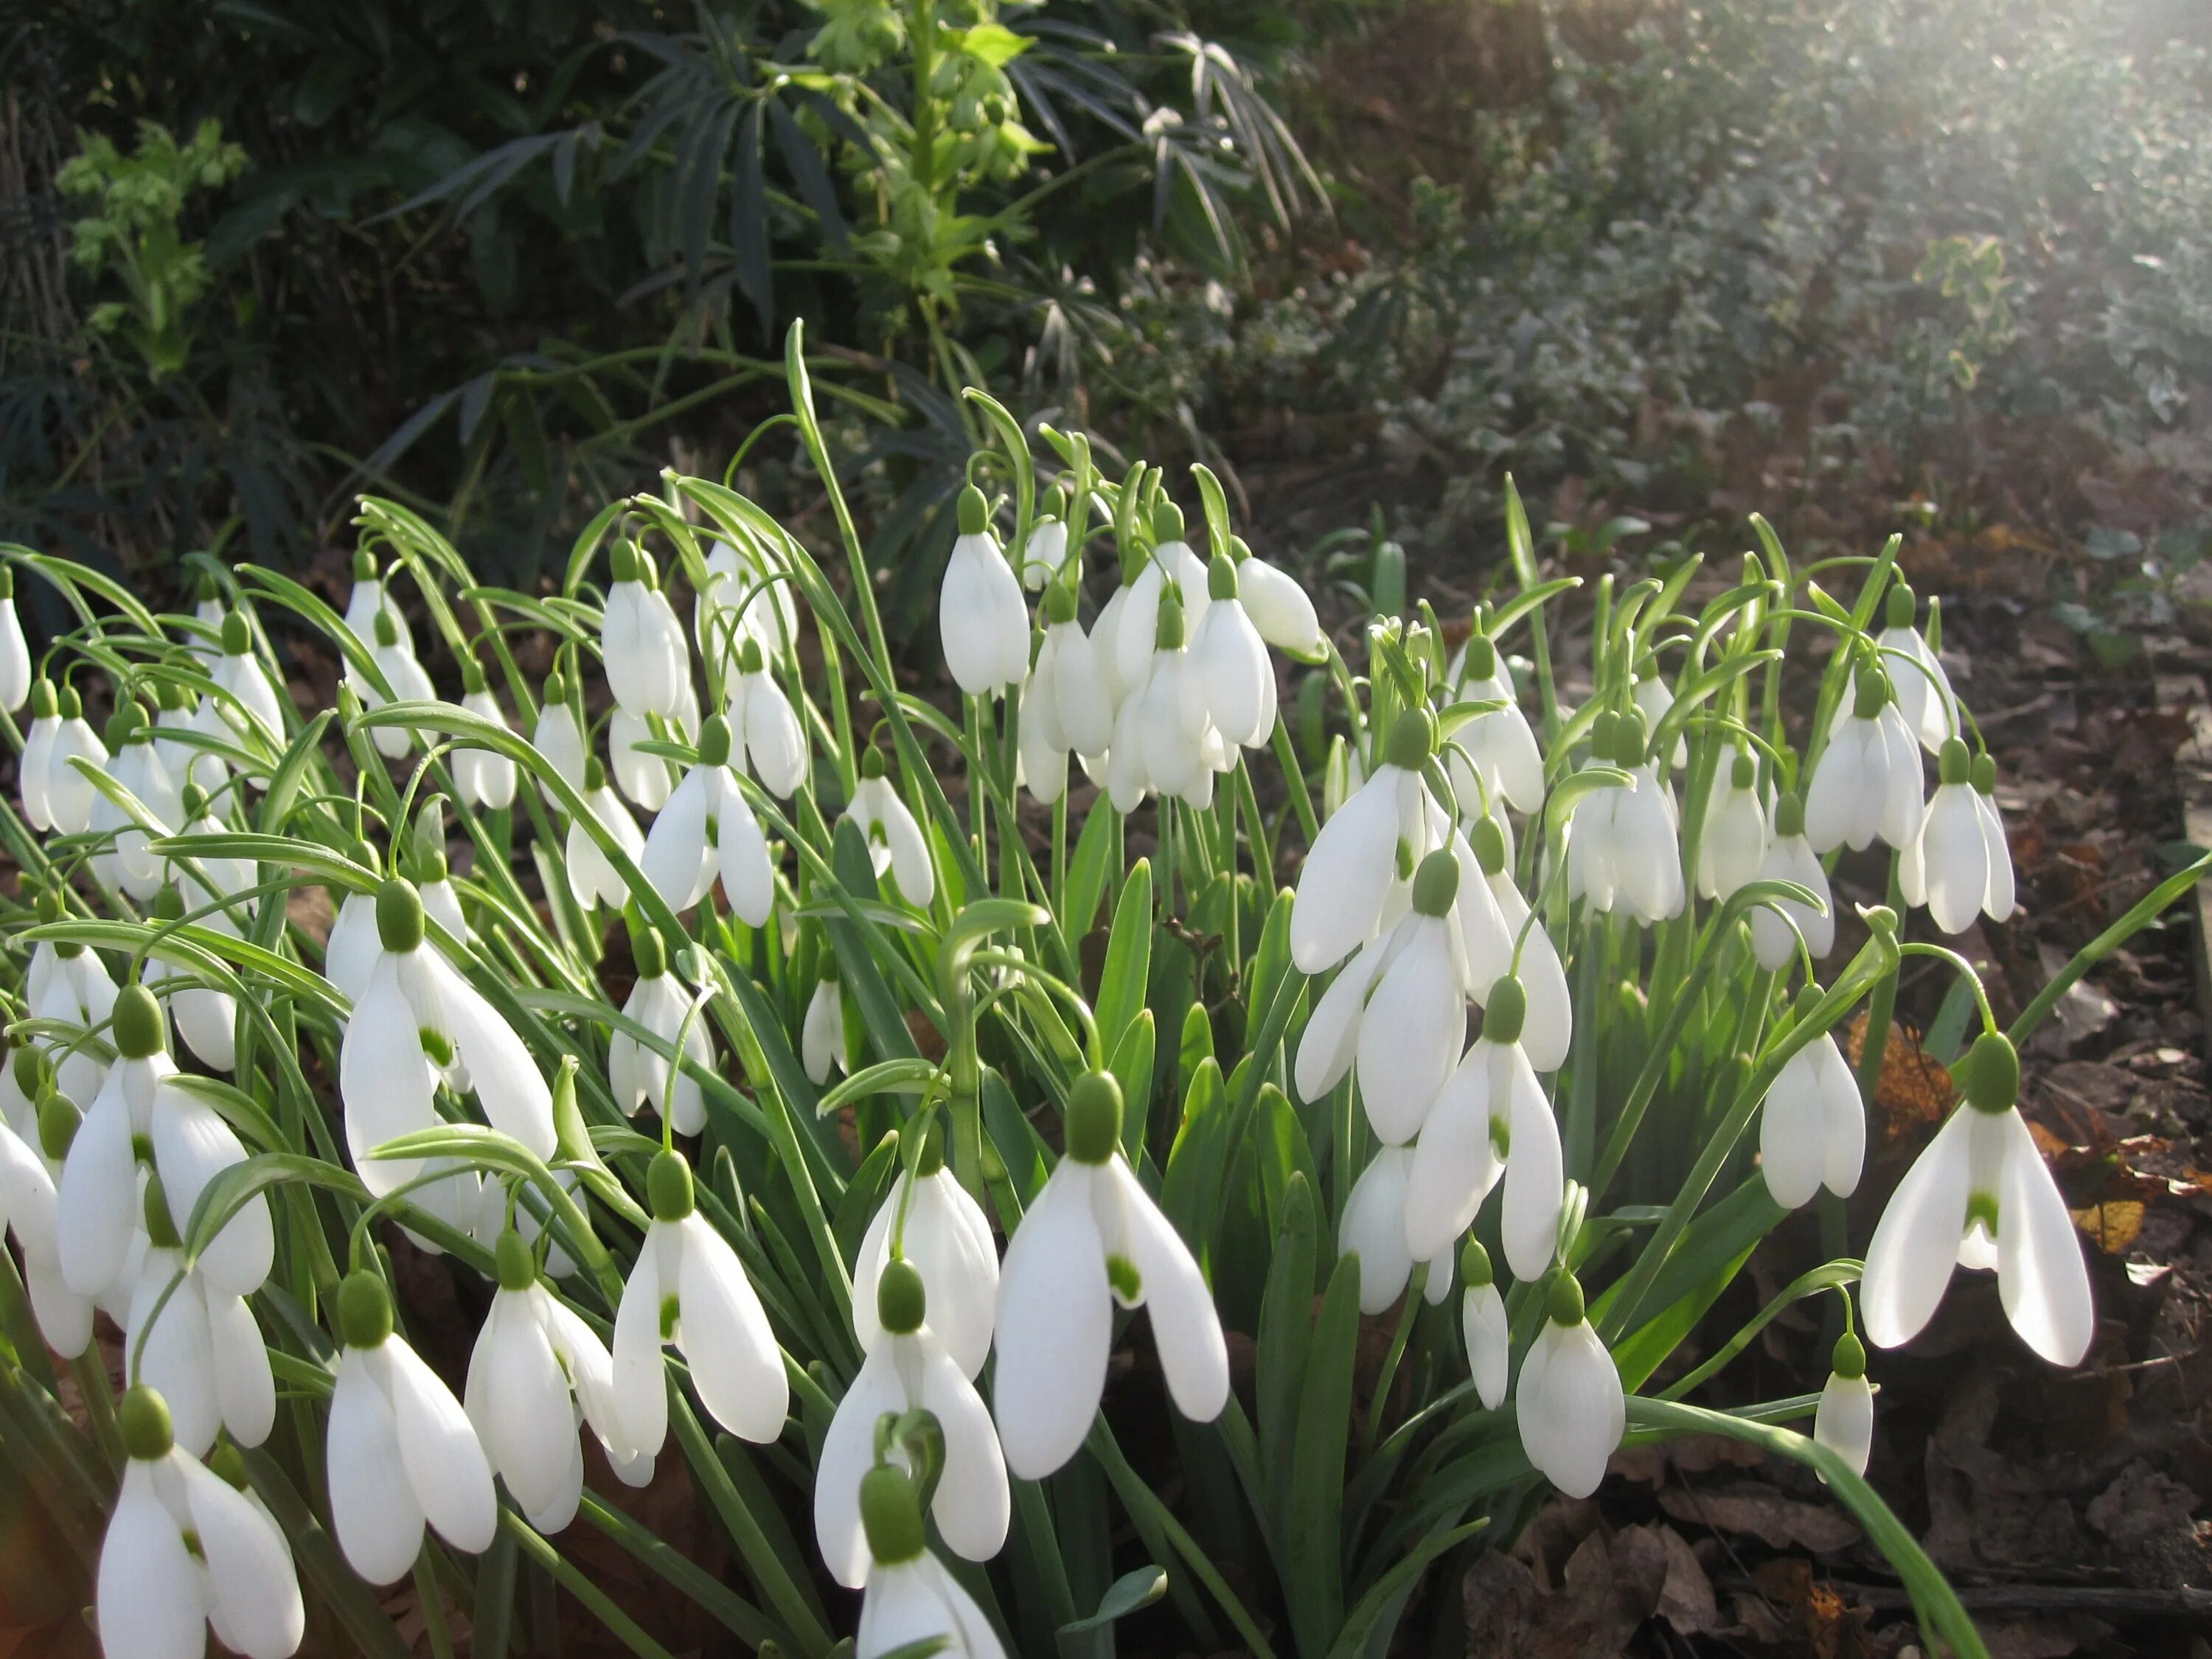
(807, 1085)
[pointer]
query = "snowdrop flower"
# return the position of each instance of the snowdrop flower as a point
(639, 1075)
(1172, 563)
(371, 599)
(1998, 902)
(349, 953)
(66, 792)
(1373, 1228)
(186, 1551)
(908, 1368)
(241, 673)
(1094, 1238)
(1733, 847)
(1867, 783)
(911, 1599)
(687, 1291)
(207, 1019)
(34, 767)
(1235, 678)
(139, 769)
(1790, 857)
(408, 681)
(822, 1035)
(1949, 867)
(1045, 552)
(185, 761)
(1980, 1196)
(419, 1019)
(74, 989)
(1571, 1410)
(740, 604)
(1279, 608)
(1498, 747)
(765, 726)
(592, 876)
(949, 1240)
(1070, 679)
(15, 650)
(642, 777)
(1486, 939)
(640, 642)
(202, 1350)
(401, 1451)
(1844, 1422)
(1812, 1129)
(557, 736)
(1491, 1119)
(1924, 698)
(1483, 1324)
(29, 1210)
(981, 614)
(1331, 1040)
(1168, 717)
(896, 841)
(1414, 1025)
(138, 1105)
(708, 830)
(485, 777)
(536, 1375)
(1621, 846)
(1041, 764)
(1548, 1027)
(1653, 701)
(1350, 868)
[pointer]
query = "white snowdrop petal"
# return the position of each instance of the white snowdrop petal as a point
(2041, 1277)
(99, 1195)
(675, 859)
(1454, 1161)
(244, 1386)
(374, 1509)
(148, 1602)
(252, 1588)
(516, 1099)
(775, 741)
(1186, 1329)
(1412, 1033)
(1489, 1342)
(1331, 1038)
(384, 1080)
(1844, 1422)
(1842, 784)
(973, 1505)
(518, 1402)
(174, 1355)
(1791, 1142)
(848, 1451)
(1535, 1186)
(1373, 1227)
(191, 1146)
(1998, 901)
(1843, 1118)
(1348, 875)
(1916, 1243)
(724, 1335)
(1956, 857)
(1054, 1325)
(748, 875)
(444, 1461)
(641, 1388)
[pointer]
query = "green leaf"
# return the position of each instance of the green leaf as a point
(1128, 958)
(886, 1077)
(1090, 872)
(994, 43)
(1132, 1067)
(1314, 1580)
(1093, 1637)
(1286, 1334)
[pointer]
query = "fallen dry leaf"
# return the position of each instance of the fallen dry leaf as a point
(1915, 1088)
(2111, 1227)
(1769, 1516)
(2142, 1503)
(1613, 1584)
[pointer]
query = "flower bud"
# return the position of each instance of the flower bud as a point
(143, 1416)
(364, 565)
(388, 630)
(1506, 1013)
(1990, 1072)
(668, 1188)
(872, 763)
(1488, 842)
(1411, 740)
(399, 915)
(714, 741)
(1481, 657)
(1167, 633)
(473, 683)
(44, 705)
(1474, 1268)
(58, 1119)
(364, 1310)
(1436, 883)
(1167, 523)
(975, 512)
(518, 1268)
(1221, 578)
(1563, 1301)
(161, 1226)
(1954, 764)
(138, 1024)
(1790, 813)
(1850, 1360)
(1059, 603)
(1743, 771)
(1094, 1117)
(556, 688)
(1985, 775)
(68, 704)
(237, 637)
(33, 1071)
(622, 562)
(1901, 606)
(646, 949)
(902, 1303)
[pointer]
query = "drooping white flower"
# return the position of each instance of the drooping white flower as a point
(207, 1018)
(1946, 866)
(351, 952)
(1280, 607)
(1136, 628)
(1732, 848)
(766, 738)
(137, 768)
(1572, 1412)
(1790, 857)
(418, 1019)
(400, 1450)
(185, 760)
(408, 680)
(910, 1598)
(558, 737)
(69, 794)
(371, 599)
(485, 778)
(1128, 778)
(69, 984)
(896, 841)
(688, 1290)
(1373, 1227)
(34, 767)
(1867, 781)
(1980, 1195)
(1497, 745)
(140, 1103)
(1349, 871)
(1093, 1237)
(1042, 753)
(592, 876)
(241, 673)
(29, 1209)
(1483, 1327)
(643, 778)
(1414, 1025)
(907, 1368)
(1044, 553)
(981, 618)
(1070, 677)
(707, 828)
(536, 1375)
(740, 603)
(949, 1240)
(1654, 700)
(1925, 697)
(1844, 1422)
(1622, 847)
(15, 649)
(1812, 1131)
(1169, 716)
(1548, 1029)
(642, 644)
(1331, 1040)
(822, 1033)
(186, 1551)
(639, 1075)
(1998, 902)
(202, 1349)
(1235, 678)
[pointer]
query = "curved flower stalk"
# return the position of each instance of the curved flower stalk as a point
(186, 1553)
(535, 1375)
(639, 1075)
(949, 1241)
(640, 642)
(688, 1291)
(1844, 1422)
(138, 1106)
(1093, 1238)
(1980, 1196)
(896, 842)
(1813, 1123)
(196, 1343)
(981, 618)
(911, 1599)
(1348, 874)
(1572, 1412)
(908, 1368)
(401, 1452)
(708, 830)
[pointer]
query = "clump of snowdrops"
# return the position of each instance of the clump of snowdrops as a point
(807, 1090)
